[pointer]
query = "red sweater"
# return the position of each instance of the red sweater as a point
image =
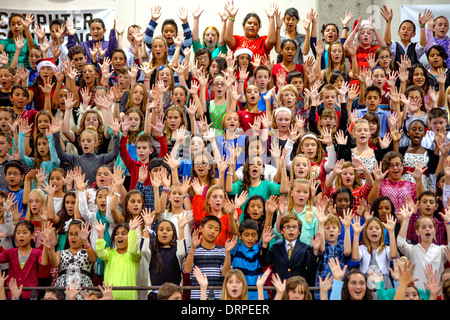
(198, 204)
(28, 276)
(133, 165)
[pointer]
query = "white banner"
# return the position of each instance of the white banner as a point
(79, 18)
(411, 12)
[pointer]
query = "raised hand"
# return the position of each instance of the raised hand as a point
(336, 270)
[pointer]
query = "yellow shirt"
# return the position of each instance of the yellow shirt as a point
(121, 269)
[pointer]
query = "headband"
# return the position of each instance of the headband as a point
(309, 135)
(277, 110)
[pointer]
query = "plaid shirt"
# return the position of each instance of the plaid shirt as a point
(336, 251)
(441, 232)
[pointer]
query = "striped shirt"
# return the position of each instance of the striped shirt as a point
(246, 260)
(216, 113)
(210, 262)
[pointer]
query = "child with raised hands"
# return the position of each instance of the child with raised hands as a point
(213, 260)
(244, 255)
(251, 24)
(253, 182)
(215, 203)
(426, 251)
(362, 151)
(290, 257)
(389, 181)
(179, 203)
(365, 33)
(293, 288)
(212, 39)
(373, 244)
(169, 30)
(121, 262)
(145, 152)
(333, 246)
(166, 252)
(76, 260)
(88, 161)
(347, 174)
(105, 212)
(45, 155)
(24, 260)
(97, 30)
(341, 289)
(19, 25)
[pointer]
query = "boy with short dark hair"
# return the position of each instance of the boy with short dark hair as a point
(262, 77)
(372, 100)
(406, 31)
(296, 79)
(169, 31)
(426, 206)
(291, 257)
(78, 57)
(437, 121)
(244, 255)
(15, 174)
(145, 152)
(214, 261)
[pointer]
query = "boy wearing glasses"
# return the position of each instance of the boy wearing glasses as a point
(15, 174)
(290, 257)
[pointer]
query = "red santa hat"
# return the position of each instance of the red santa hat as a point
(48, 62)
(240, 51)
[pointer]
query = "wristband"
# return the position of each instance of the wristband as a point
(422, 26)
(346, 28)
(231, 18)
(165, 189)
(87, 246)
(230, 173)
(117, 194)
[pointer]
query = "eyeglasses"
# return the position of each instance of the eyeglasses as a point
(395, 165)
(202, 58)
(201, 164)
(12, 174)
(290, 227)
(384, 57)
(218, 84)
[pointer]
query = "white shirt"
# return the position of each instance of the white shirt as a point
(435, 255)
(286, 244)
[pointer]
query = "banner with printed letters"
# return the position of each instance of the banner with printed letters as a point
(79, 18)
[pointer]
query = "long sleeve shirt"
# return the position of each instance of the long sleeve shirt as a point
(48, 166)
(87, 162)
(133, 165)
(121, 269)
(111, 45)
